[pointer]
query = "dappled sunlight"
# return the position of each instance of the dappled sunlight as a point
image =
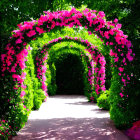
(67, 106)
(69, 118)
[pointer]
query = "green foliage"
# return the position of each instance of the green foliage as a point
(51, 78)
(94, 94)
(38, 99)
(103, 100)
(120, 107)
(75, 68)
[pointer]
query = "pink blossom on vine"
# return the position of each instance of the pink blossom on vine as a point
(22, 94)
(25, 43)
(13, 69)
(121, 69)
(22, 65)
(129, 57)
(40, 30)
(121, 95)
(118, 26)
(115, 20)
(31, 33)
(101, 14)
(116, 59)
(23, 86)
(111, 53)
(18, 41)
(23, 75)
(3, 56)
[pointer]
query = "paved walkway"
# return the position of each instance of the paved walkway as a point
(65, 117)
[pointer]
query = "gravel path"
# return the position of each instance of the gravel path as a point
(65, 117)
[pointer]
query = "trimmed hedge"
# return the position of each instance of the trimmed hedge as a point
(103, 100)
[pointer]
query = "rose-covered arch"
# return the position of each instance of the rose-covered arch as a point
(96, 75)
(14, 56)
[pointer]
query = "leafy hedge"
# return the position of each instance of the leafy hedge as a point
(103, 100)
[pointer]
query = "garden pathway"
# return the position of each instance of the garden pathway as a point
(69, 117)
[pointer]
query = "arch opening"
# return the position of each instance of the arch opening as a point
(69, 75)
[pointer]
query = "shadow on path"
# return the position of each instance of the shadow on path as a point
(69, 118)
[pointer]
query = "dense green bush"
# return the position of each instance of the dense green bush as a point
(103, 100)
(122, 111)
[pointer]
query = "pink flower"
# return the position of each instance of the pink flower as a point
(121, 69)
(25, 51)
(119, 74)
(103, 88)
(129, 44)
(23, 86)
(129, 57)
(24, 106)
(101, 14)
(106, 34)
(44, 87)
(22, 65)
(128, 77)
(23, 75)
(3, 121)
(118, 26)
(116, 59)
(25, 43)
(111, 43)
(22, 94)
(123, 80)
(44, 78)
(15, 88)
(115, 20)
(121, 95)
(18, 41)
(15, 76)
(3, 56)
(111, 31)
(40, 30)
(111, 53)
(123, 60)
(31, 33)
(29, 48)
(13, 69)
(17, 33)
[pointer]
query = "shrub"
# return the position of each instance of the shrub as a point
(103, 100)
(39, 97)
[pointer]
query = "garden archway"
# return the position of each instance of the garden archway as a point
(13, 59)
(96, 56)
